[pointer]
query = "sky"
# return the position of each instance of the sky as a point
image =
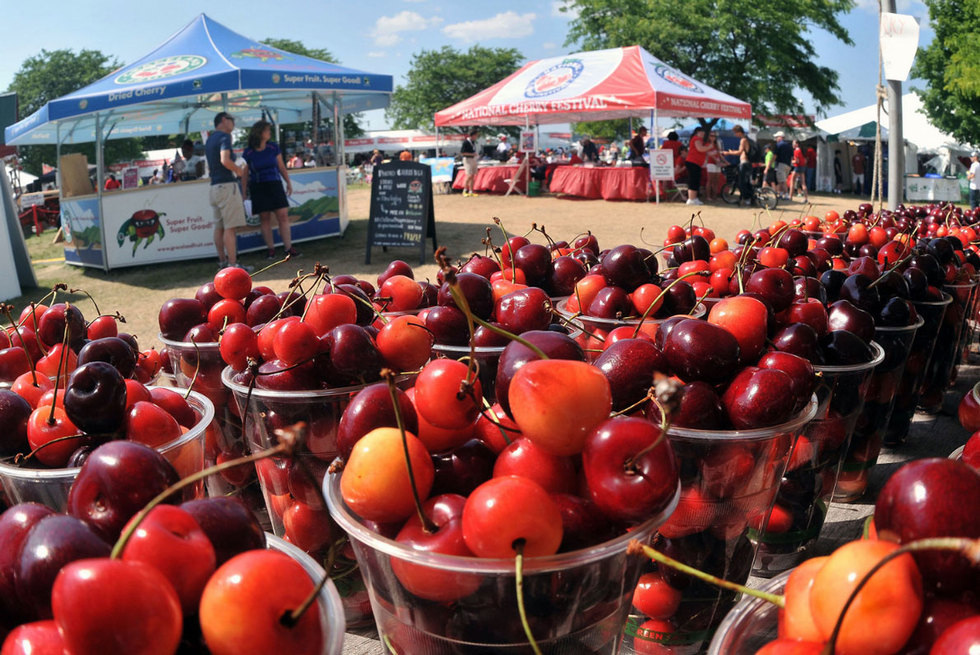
(380, 36)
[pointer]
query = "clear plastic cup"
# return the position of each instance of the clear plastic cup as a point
(329, 607)
(576, 602)
(729, 481)
(947, 353)
(869, 433)
(916, 366)
(291, 488)
(751, 624)
(808, 485)
(50, 486)
(199, 367)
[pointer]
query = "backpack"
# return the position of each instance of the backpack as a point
(755, 152)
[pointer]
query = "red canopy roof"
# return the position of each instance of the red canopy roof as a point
(596, 85)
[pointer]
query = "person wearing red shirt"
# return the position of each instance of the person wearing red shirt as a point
(673, 143)
(697, 150)
(811, 167)
(112, 183)
(799, 172)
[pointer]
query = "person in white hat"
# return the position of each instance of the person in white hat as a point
(503, 149)
(974, 176)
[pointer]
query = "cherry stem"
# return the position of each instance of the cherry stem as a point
(62, 361)
(306, 307)
(286, 446)
(519, 581)
(23, 458)
(636, 548)
(272, 265)
(490, 416)
(86, 293)
(572, 324)
(513, 264)
(969, 548)
(660, 298)
(291, 618)
(197, 370)
(427, 524)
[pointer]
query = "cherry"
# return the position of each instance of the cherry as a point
(295, 342)
(37, 638)
(307, 527)
(747, 320)
(95, 397)
(353, 354)
(541, 393)
(566, 272)
(524, 310)
(844, 315)
(404, 343)
(14, 361)
(758, 398)
(891, 600)
(56, 321)
(52, 542)
(171, 541)
(15, 413)
(629, 366)
(555, 474)
(405, 293)
(263, 309)
(796, 619)
(654, 597)
(396, 267)
(625, 266)
(553, 344)
(929, 498)
(483, 266)
(266, 585)
(229, 525)
(44, 427)
(799, 339)
(371, 408)
(137, 609)
(463, 468)
(224, 312)
(447, 325)
(583, 525)
(535, 260)
(445, 513)
(151, 425)
(441, 398)
(116, 481)
(962, 638)
(775, 285)
(475, 289)
(362, 303)
(178, 315)
(375, 481)
(233, 283)
(628, 477)
(15, 524)
(697, 350)
(505, 512)
(238, 344)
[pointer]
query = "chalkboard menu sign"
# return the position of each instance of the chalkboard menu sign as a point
(401, 208)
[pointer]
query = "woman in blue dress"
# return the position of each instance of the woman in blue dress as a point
(263, 181)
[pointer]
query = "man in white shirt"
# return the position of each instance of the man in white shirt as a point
(503, 149)
(974, 176)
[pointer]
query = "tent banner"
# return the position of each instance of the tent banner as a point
(899, 38)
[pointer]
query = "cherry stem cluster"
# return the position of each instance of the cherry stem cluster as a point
(62, 362)
(23, 344)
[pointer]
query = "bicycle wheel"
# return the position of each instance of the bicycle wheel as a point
(767, 198)
(730, 194)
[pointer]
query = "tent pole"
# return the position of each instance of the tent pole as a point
(100, 184)
(437, 140)
(338, 132)
(278, 134)
(57, 158)
(656, 138)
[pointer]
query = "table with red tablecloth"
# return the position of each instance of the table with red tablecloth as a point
(608, 183)
(491, 179)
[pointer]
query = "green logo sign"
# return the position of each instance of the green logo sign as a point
(161, 68)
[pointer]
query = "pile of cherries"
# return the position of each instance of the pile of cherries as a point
(77, 385)
(192, 577)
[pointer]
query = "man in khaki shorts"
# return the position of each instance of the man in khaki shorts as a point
(226, 196)
(468, 153)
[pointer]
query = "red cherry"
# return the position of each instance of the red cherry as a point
(327, 311)
(295, 342)
(151, 425)
(171, 541)
(233, 283)
(225, 312)
(655, 597)
(962, 638)
(44, 427)
(440, 396)
(37, 638)
(746, 318)
(505, 511)
(103, 326)
(238, 343)
(404, 343)
(111, 606)
(307, 527)
(245, 600)
(556, 474)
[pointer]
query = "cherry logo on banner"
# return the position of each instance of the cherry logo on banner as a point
(677, 79)
(554, 79)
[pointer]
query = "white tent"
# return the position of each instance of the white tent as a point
(916, 128)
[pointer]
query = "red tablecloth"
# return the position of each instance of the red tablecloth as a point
(609, 183)
(492, 179)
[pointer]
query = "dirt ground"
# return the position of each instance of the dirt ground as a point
(461, 223)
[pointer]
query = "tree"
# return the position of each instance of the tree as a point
(440, 78)
(757, 51)
(352, 127)
(951, 69)
(52, 74)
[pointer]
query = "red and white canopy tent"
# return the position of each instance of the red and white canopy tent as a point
(593, 86)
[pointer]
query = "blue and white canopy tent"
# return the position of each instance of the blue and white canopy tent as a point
(178, 87)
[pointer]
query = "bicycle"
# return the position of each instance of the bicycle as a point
(762, 196)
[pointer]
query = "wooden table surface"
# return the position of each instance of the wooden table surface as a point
(930, 436)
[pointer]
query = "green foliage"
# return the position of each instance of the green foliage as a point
(757, 51)
(352, 128)
(951, 68)
(615, 130)
(52, 74)
(440, 78)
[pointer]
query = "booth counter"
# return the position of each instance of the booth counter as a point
(173, 222)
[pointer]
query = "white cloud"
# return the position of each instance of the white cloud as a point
(911, 7)
(502, 26)
(376, 53)
(387, 30)
(570, 12)
(549, 45)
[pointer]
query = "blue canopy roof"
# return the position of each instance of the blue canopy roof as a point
(201, 70)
